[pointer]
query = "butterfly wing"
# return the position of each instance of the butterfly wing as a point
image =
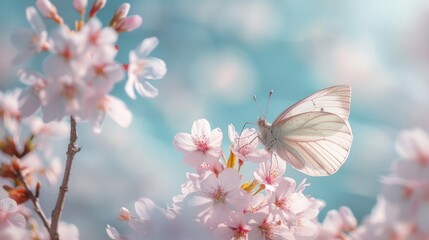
(334, 100)
(315, 143)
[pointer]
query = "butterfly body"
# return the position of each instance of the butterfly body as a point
(313, 135)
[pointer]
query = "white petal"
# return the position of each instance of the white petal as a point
(34, 19)
(216, 138)
(145, 89)
(119, 112)
(146, 46)
(144, 207)
(129, 87)
(28, 102)
(154, 69)
(112, 232)
(232, 134)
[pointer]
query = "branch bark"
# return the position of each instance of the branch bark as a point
(71, 152)
(35, 201)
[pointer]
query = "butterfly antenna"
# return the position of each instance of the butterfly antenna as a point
(259, 106)
(268, 101)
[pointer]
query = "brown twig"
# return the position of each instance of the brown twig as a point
(71, 151)
(35, 200)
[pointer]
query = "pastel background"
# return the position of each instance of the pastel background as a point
(221, 53)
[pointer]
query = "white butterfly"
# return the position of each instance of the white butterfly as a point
(314, 134)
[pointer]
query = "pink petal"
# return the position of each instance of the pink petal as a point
(229, 179)
(201, 127)
(184, 142)
(194, 159)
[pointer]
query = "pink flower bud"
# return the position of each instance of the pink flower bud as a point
(123, 10)
(120, 14)
(96, 6)
(129, 24)
(48, 10)
(80, 5)
(124, 214)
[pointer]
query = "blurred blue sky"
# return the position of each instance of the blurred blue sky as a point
(221, 53)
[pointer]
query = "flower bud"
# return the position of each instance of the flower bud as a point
(48, 10)
(120, 14)
(96, 6)
(124, 214)
(129, 24)
(19, 194)
(80, 5)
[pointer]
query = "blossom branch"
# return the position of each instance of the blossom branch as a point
(71, 151)
(35, 201)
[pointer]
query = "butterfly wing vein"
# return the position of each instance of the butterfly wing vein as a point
(316, 143)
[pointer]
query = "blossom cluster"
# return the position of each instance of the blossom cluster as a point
(81, 71)
(216, 203)
(402, 209)
(217, 199)
(77, 77)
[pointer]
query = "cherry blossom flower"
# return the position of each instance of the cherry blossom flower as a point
(235, 227)
(65, 96)
(10, 215)
(30, 41)
(402, 208)
(151, 218)
(31, 98)
(101, 41)
(245, 146)
(69, 58)
(202, 145)
(337, 224)
(266, 225)
(142, 68)
(219, 195)
(295, 208)
(270, 173)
